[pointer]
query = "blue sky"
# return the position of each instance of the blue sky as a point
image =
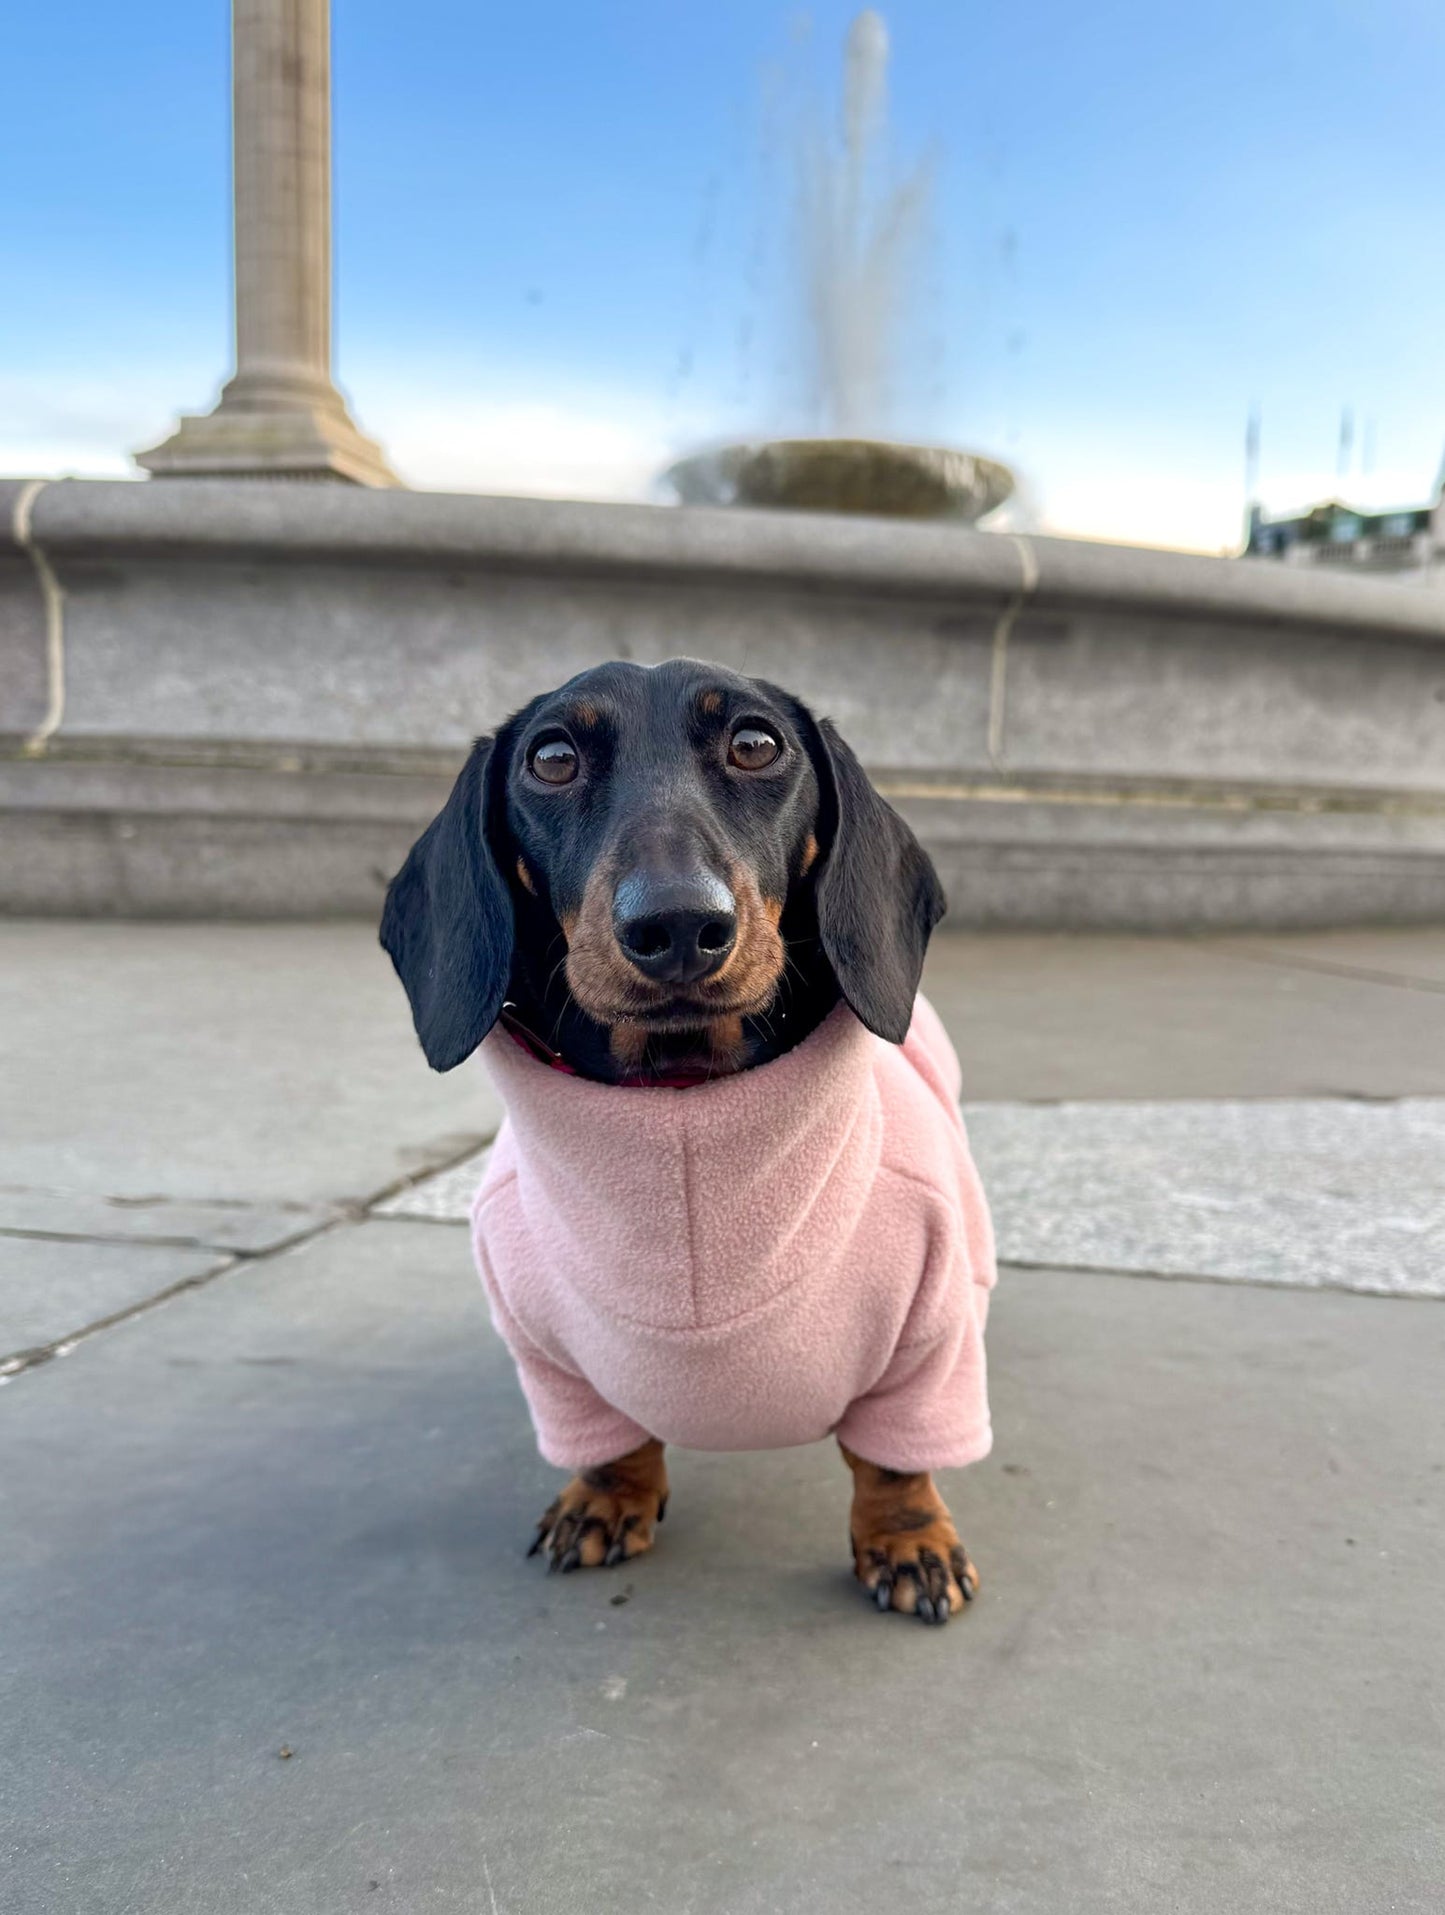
(563, 245)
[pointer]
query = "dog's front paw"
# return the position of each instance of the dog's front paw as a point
(605, 1515)
(926, 1574)
(906, 1551)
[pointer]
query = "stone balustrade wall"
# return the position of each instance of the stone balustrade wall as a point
(254, 694)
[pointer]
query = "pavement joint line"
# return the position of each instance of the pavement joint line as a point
(1075, 1099)
(157, 1200)
(146, 1243)
(21, 1362)
(1327, 967)
(446, 1223)
(1215, 1282)
(482, 1141)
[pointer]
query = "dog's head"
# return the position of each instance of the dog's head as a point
(660, 849)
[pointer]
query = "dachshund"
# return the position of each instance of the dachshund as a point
(677, 879)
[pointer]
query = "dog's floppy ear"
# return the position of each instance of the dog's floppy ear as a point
(447, 924)
(878, 895)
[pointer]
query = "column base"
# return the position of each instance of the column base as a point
(311, 440)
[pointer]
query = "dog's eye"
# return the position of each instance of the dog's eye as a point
(751, 748)
(554, 761)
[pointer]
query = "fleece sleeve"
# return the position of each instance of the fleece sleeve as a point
(929, 1409)
(576, 1428)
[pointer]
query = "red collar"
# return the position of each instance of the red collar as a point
(544, 1054)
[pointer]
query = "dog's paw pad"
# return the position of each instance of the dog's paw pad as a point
(921, 1572)
(594, 1527)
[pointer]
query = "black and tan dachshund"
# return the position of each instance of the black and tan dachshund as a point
(665, 875)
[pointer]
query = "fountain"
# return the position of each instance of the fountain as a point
(857, 236)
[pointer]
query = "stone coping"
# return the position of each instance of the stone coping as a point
(212, 520)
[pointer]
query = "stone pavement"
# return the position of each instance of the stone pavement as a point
(267, 1637)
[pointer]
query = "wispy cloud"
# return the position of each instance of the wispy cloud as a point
(52, 424)
(591, 446)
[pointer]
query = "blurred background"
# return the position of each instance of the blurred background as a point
(566, 246)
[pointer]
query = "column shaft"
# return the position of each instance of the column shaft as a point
(280, 414)
(281, 135)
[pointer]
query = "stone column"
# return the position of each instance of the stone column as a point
(281, 414)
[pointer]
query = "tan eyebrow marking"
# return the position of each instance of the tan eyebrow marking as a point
(585, 716)
(525, 875)
(810, 853)
(711, 702)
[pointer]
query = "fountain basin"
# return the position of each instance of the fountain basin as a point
(875, 476)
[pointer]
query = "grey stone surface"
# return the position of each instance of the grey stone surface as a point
(1043, 863)
(50, 1291)
(24, 681)
(287, 1509)
(1335, 1195)
(88, 837)
(1172, 741)
(1318, 1195)
(287, 1512)
(1371, 956)
(263, 1064)
(231, 1226)
(1319, 1015)
(445, 1197)
(575, 538)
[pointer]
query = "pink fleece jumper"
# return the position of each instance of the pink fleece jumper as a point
(756, 1262)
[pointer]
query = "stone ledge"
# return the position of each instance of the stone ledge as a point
(213, 518)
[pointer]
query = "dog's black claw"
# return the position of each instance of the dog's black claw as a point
(925, 1609)
(942, 1609)
(883, 1595)
(662, 1509)
(538, 1541)
(613, 1556)
(571, 1560)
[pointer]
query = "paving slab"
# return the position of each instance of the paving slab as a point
(445, 1197)
(1038, 1017)
(1318, 1194)
(50, 1291)
(265, 1063)
(286, 1512)
(1372, 955)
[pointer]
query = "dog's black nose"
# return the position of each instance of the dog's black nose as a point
(675, 930)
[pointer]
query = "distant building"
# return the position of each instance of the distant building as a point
(1410, 540)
